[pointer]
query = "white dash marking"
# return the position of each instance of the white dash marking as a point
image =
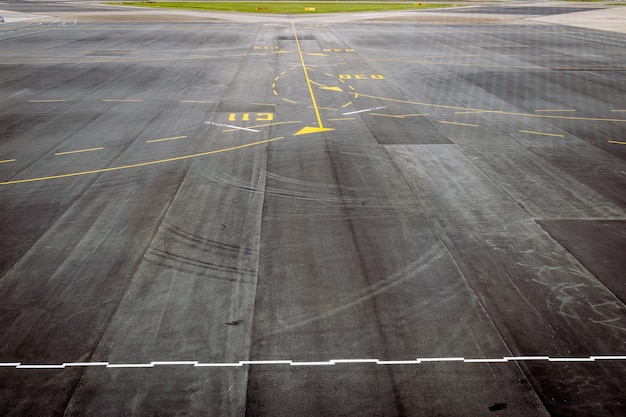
(363, 111)
(231, 126)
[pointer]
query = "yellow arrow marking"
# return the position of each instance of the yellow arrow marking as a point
(325, 87)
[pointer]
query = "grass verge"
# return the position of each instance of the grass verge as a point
(281, 7)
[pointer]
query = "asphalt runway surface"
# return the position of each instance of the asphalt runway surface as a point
(300, 218)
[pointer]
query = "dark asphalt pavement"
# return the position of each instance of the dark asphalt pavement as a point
(299, 219)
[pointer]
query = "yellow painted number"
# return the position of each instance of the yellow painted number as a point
(245, 117)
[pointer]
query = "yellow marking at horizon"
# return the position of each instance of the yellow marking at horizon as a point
(140, 164)
(47, 101)
(165, 139)
(617, 142)
(78, 151)
(4, 161)
(542, 133)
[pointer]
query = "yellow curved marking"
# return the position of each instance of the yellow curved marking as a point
(140, 164)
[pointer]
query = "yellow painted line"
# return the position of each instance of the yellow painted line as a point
(401, 116)
(396, 116)
(415, 115)
(165, 139)
(140, 164)
(342, 119)
(320, 124)
(78, 151)
(616, 142)
(4, 161)
(195, 101)
(555, 110)
(457, 123)
(47, 101)
(346, 105)
(263, 104)
(289, 101)
(122, 101)
(275, 92)
(441, 106)
(472, 112)
(541, 133)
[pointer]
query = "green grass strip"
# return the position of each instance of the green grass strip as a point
(280, 7)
